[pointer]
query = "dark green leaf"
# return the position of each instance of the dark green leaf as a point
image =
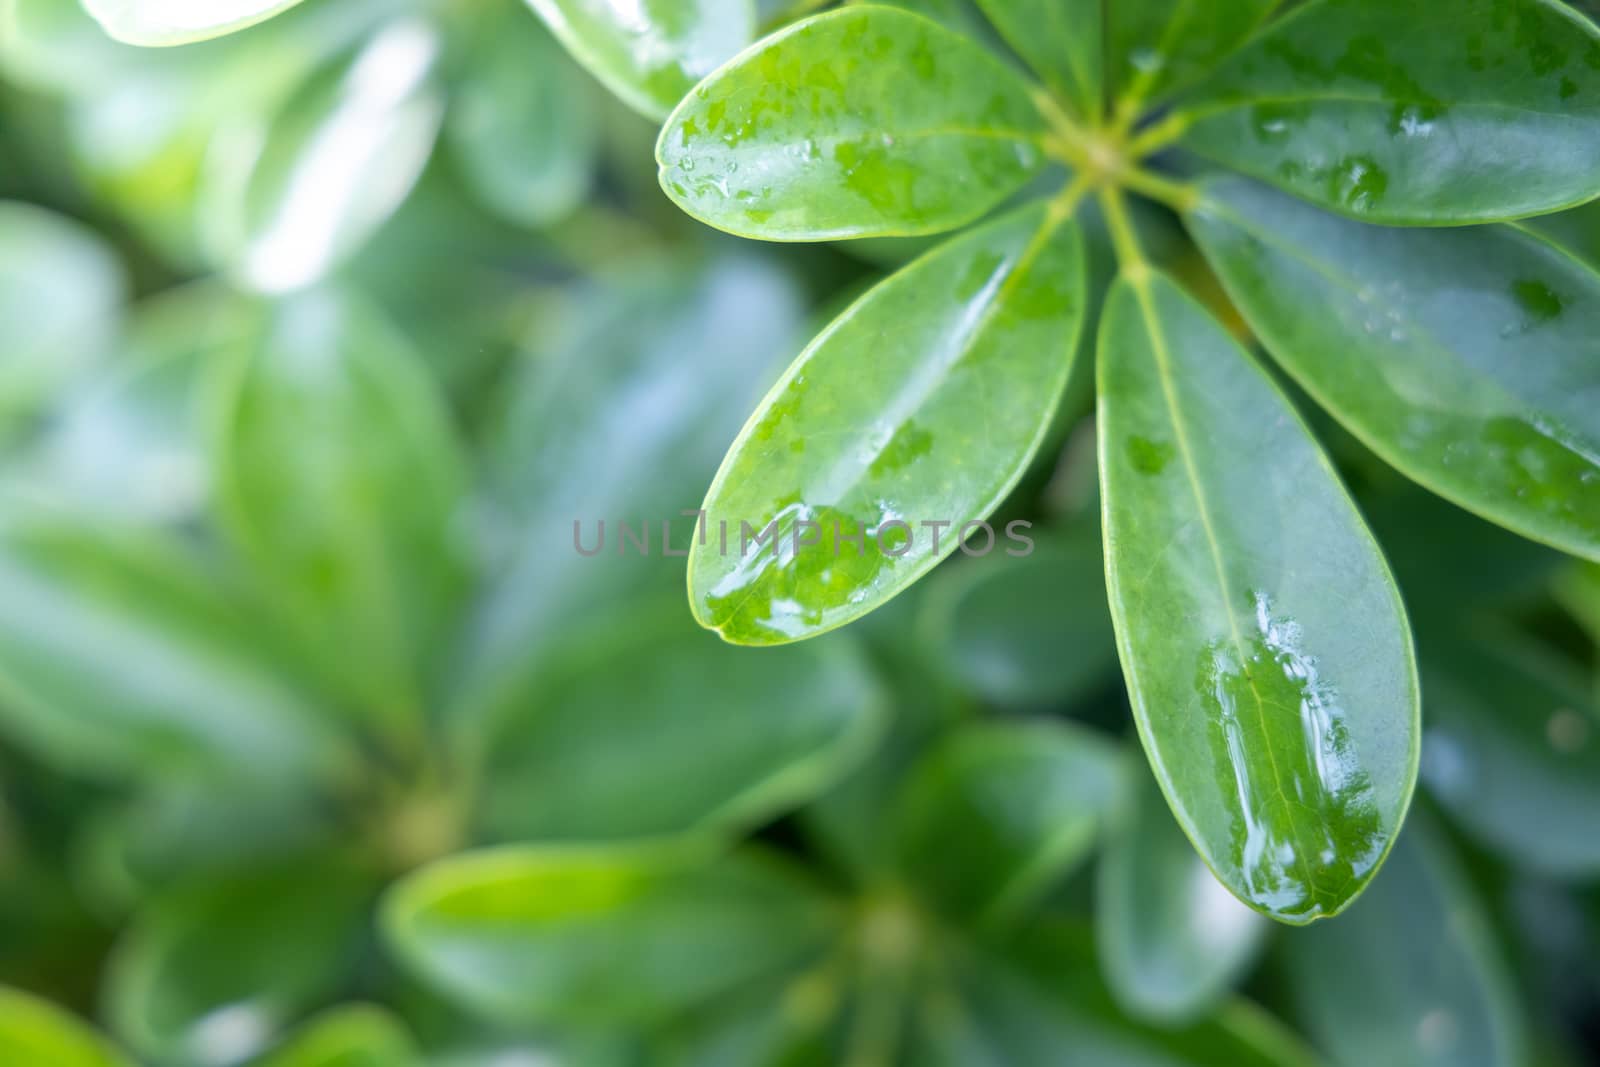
(36, 1033)
(169, 22)
(1463, 357)
(1577, 231)
(868, 462)
(358, 1036)
(1156, 46)
(1265, 647)
(869, 121)
(1405, 112)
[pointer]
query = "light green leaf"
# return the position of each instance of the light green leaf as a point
(1432, 989)
(213, 971)
(339, 479)
(1403, 112)
(34, 1031)
(1062, 40)
(356, 1036)
(997, 815)
(169, 22)
(1266, 651)
(873, 435)
(61, 291)
(717, 737)
(1029, 632)
(651, 52)
(1465, 357)
(601, 936)
(122, 655)
(521, 121)
(868, 121)
(1512, 751)
(1172, 939)
(1156, 46)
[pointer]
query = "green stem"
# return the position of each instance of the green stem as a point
(1124, 238)
(1179, 196)
(1154, 138)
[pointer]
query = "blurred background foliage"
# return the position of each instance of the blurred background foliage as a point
(321, 745)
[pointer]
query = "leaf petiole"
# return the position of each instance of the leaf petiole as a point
(1130, 256)
(1179, 196)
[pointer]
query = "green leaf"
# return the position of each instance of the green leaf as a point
(1156, 46)
(1062, 40)
(873, 435)
(601, 936)
(718, 737)
(356, 1036)
(169, 22)
(1029, 632)
(1462, 357)
(35, 1031)
(61, 291)
(1173, 941)
(650, 53)
(1431, 991)
(997, 815)
(521, 121)
(122, 655)
(1577, 231)
(1266, 651)
(339, 478)
(1402, 112)
(1512, 751)
(213, 971)
(868, 121)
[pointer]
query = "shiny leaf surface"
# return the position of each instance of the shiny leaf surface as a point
(1465, 358)
(1283, 732)
(868, 121)
(1156, 46)
(1403, 112)
(169, 22)
(867, 462)
(35, 1031)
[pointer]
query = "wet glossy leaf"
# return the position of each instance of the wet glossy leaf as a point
(1062, 40)
(1433, 990)
(601, 935)
(338, 479)
(168, 22)
(1512, 751)
(872, 435)
(652, 52)
(120, 654)
(718, 736)
(35, 1031)
(1403, 112)
(212, 972)
(1172, 939)
(359, 1036)
(60, 291)
(1265, 648)
(1156, 46)
(994, 817)
(868, 121)
(1025, 632)
(1462, 357)
(521, 122)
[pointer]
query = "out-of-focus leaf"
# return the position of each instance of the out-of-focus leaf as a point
(290, 197)
(357, 1036)
(1155, 46)
(61, 291)
(1062, 40)
(1512, 750)
(36, 1033)
(994, 817)
(1267, 653)
(602, 936)
(339, 479)
(867, 463)
(1403, 113)
(650, 53)
(1172, 939)
(120, 654)
(1410, 975)
(212, 972)
(776, 1024)
(169, 22)
(864, 122)
(1029, 632)
(1464, 357)
(521, 123)
(692, 734)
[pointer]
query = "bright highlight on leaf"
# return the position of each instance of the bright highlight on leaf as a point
(169, 22)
